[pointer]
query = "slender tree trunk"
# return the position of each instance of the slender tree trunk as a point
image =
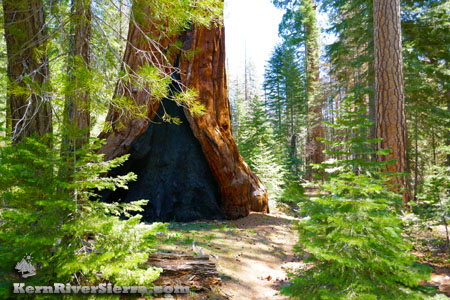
(389, 92)
(294, 153)
(76, 117)
(433, 146)
(8, 124)
(77, 107)
(372, 105)
(28, 70)
(448, 130)
(279, 108)
(371, 80)
(315, 147)
(416, 155)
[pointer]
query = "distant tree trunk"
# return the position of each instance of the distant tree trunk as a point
(179, 186)
(314, 147)
(416, 154)
(279, 109)
(77, 115)
(372, 104)
(294, 153)
(389, 92)
(28, 69)
(433, 146)
(448, 130)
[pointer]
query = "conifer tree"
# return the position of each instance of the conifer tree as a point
(389, 88)
(352, 54)
(274, 83)
(259, 148)
(285, 99)
(77, 107)
(299, 27)
(352, 230)
(28, 70)
(427, 91)
(71, 238)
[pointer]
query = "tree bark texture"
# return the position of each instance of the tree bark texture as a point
(25, 36)
(389, 90)
(77, 104)
(314, 148)
(448, 130)
(239, 189)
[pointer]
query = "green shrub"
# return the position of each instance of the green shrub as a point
(292, 193)
(71, 236)
(261, 150)
(352, 231)
(434, 200)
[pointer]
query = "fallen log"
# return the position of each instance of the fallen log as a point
(196, 271)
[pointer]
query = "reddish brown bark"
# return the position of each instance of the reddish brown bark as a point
(25, 36)
(241, 190)
(389, 93)
(125, 129)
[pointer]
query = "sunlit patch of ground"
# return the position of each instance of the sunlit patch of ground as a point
(252, 254)
(430, 249)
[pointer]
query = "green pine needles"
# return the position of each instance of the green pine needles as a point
(352, 230)
(71, 236)
(260, 149)
(433, 202)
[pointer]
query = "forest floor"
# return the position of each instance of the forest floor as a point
(430, 249)
(254, 254)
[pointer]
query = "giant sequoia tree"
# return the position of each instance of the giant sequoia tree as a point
(191, 169)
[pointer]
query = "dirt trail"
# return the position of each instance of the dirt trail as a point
(259, 259)
(253, 253)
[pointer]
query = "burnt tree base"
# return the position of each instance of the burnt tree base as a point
(173, 173)
(183, 169)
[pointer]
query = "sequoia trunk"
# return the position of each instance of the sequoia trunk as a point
(204, 175)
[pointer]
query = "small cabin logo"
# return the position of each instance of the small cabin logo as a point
(25, 267)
